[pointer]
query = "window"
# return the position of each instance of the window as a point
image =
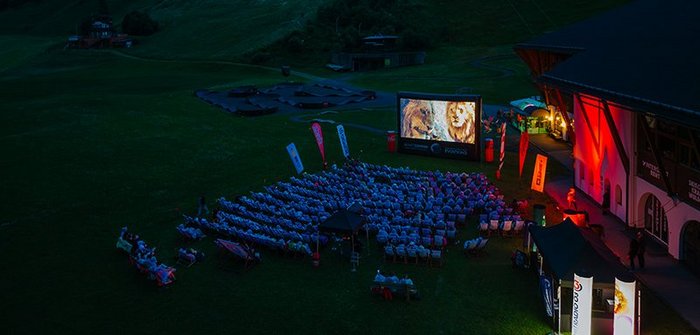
(667, 146)
(618, 195)
(582, 172)
(591, 178)
(655, 221)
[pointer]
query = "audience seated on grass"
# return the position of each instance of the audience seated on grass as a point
(190, 233)
(391, 285)
(399, 205)
(144, 258)
(189, 256)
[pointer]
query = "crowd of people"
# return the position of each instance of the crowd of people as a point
(402, 206)
(388, 285)
(144, 258)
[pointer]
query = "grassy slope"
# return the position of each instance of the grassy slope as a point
(92, 142)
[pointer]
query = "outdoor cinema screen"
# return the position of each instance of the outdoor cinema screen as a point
(440, 125)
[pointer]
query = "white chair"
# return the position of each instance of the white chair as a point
(389, 253)
(483, 228)
(401, 252)
(519, 225)
(481, 246)
(507, 228)
(493, 226)
(436, 257)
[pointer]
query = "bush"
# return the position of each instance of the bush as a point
(139, 24)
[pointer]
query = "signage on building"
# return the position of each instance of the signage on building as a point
(685, 181)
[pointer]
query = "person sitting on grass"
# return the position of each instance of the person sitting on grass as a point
(393, 279)
(379, 278)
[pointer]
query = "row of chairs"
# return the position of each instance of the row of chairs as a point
(415, 255)
(475, 246)
(438, 240)
(505, 228)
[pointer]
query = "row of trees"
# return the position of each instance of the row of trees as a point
(9, 4)
(340, 25)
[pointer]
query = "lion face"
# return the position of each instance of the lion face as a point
(457, 114)
(417, 120)
(460, 119)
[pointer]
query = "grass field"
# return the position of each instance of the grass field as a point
(93, 141)
(116, 141)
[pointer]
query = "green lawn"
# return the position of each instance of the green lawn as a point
(94, 141)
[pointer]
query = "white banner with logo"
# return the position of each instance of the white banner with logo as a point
(582, 305)
(343, 141)
(625, 303)
(294, 156)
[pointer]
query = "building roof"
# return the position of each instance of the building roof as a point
(644, 54)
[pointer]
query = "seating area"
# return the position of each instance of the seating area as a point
(504, 225)
(188, 257)
(414, 214)
(144, 258)
(475, 246)
(190, 233)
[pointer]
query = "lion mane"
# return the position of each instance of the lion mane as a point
(459, 112)
(417, 121)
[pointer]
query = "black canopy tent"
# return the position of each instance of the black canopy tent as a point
(566, 249)
(344, 222)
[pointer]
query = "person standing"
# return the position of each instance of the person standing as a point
(641, 248)
(634, 250)
(571, 198)
(202, 208)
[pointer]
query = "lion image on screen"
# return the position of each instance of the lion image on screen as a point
(460, 120)
(417, 120)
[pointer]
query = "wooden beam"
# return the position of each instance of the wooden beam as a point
(565, 115)
(655, 152)
(588, 123)
(616, 136)
(694, 142)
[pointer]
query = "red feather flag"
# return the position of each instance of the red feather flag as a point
(524, 142)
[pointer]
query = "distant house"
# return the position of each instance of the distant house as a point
(377, 52)
(100, 34)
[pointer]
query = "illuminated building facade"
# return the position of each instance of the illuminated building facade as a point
(629, 76)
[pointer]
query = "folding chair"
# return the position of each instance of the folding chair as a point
(507, 228)
(519, 225)
(389, 253)
(436, 257)
(493, 226)
(483, 229)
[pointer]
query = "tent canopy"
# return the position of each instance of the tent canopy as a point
(566, 249)
(527, 104)
(539, 112)
(342, 221)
